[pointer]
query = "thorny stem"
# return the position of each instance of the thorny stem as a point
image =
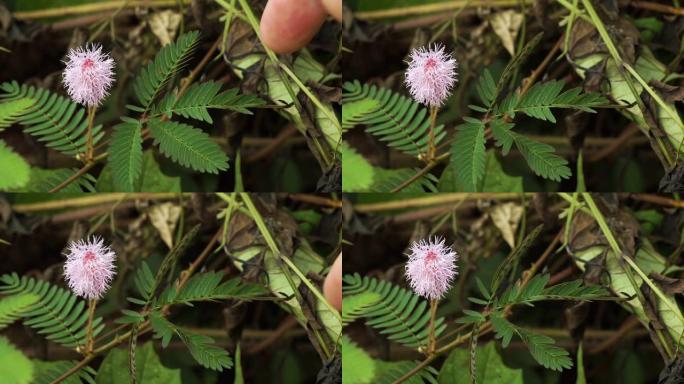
(431, 338)
(92, 303)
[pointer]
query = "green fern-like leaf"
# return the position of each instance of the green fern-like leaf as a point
(354, 111)
(386, 180)
(543, 350)
(207, 287)
(355, 305)
(125, 155)
(541, 97)
(193, 103)
(11, 110)
(468, 154)
(235, 101)
(539, 156)
(13, 307)
(541, 347)
(58, 314)
(398, 120)
(535, 291)
(201, 347)
(201, 97)
(399, 313)
(145, 281)
(163, 68)
(542, 160)
(503, 328)
(388, 372)
(486, 88)
(44, 180)
(47, 372)
(14, 170)
(15, 367)
(55, 120)
(188, 146)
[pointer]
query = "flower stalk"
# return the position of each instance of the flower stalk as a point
(92, 303)
(90, 150)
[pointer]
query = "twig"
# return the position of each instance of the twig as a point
(314, 199)
(442, 198)
(94, 7)
(436, 7)
(615, 145)
(662, 8)
(74, 177)
(90, 200)
(657, 199)
(287, 324)
(272, 145)
(631, 323)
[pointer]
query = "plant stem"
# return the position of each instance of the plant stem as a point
(431, 338)
(431, 143)
(92, 303)
(93, 7)
(100, 198)
(91, 120)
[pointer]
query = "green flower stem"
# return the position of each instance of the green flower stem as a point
(92, 303)
(431, 338)
(89, 145)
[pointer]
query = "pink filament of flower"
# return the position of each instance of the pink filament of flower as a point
(87, 64)
(88, 257)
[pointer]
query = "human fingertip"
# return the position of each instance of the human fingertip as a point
(332, 287)
(287, 25)
(334, 8)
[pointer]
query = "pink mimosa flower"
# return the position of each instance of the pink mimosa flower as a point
(88, 75)
(89, 267)
(431, 268)
(431, 75)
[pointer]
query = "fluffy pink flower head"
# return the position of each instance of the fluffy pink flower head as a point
(431, 268)
(431, 75)
(89, 267)
(88, 75)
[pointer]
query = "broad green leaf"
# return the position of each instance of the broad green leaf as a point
(149, 369)
(357, 366)
(15, 367)
(357, 172)
(490, 367)
(152, 179)
(14, 170)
